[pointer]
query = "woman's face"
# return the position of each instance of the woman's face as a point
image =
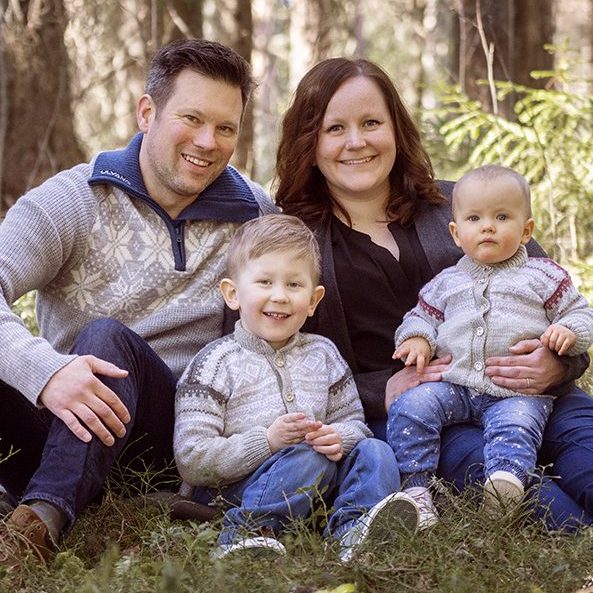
(356, 143)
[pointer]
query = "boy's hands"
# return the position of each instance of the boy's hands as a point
(327, 441)
(558, 338)
(290, 429)
(414, 351)
(293, 428)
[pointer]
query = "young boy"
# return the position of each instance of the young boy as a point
(269, 417)
(494, 297)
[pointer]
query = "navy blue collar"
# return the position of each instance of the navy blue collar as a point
(227, 199)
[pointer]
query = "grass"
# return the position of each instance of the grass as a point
(117, 547)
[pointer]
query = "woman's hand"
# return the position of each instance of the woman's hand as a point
(531, 368)
(409, 377)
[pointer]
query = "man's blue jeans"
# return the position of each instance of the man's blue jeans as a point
(512, 428)
(54, 465)
(295, 479)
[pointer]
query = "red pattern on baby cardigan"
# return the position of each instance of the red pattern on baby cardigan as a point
(558, 293)
(562, 287)
(430, 310)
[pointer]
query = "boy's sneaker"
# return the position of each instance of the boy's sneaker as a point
(428, 513)
(502, 490)
(379, 524)
(257, 547)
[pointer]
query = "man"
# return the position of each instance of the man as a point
(126, 253)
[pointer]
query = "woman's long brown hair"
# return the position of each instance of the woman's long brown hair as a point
(301, 189)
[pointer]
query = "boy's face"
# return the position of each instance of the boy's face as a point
(491, 219)
(274, 294)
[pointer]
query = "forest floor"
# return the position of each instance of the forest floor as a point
(119, 547)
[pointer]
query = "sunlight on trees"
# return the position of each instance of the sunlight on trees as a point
(424, 44)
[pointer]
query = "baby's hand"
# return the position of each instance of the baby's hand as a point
(289, 429)
(326, 440)
(558, 338)
(414, 351)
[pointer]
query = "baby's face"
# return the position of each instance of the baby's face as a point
(491, 219)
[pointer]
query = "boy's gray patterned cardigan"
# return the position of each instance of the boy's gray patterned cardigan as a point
(238, 385)
(95, 244)
(475, 311)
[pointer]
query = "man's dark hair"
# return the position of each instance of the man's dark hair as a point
(208, 58)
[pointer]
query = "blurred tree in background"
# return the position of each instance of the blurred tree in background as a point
(37, 136)
(71, 70)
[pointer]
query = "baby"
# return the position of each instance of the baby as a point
(494, 297)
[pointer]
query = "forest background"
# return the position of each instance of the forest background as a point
(506, 81)
(471, 71)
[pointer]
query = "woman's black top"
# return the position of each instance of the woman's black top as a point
(376, 289)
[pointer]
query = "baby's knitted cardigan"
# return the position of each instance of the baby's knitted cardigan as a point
(475, 311)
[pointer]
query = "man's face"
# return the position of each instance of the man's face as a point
(188, 141)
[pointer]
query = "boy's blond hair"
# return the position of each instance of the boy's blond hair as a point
(270, 233)
(491, 173)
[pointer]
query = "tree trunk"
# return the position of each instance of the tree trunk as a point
(36, 126)
(534, 28)
(187, 18)
(502, 40)
(173, 19)
(243, 158)
(321, 18)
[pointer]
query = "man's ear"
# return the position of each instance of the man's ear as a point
(527, 231)
(229, 293)
(318, 293)
(145, 112)
(453, 231)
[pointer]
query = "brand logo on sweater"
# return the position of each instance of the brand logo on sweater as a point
(116, 175)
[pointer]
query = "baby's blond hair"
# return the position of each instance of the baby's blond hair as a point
(492, 173)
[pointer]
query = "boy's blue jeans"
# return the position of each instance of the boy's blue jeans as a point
(53, 465)
(292, 482)
(513, 429)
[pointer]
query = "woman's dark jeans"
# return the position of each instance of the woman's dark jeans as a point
(52, 464)
(564, 499)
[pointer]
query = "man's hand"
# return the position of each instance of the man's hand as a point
(558, 338)
(289, 429)
(409, 377)
(327, 441)
(414, 351)
(76, 396)
(531, 368)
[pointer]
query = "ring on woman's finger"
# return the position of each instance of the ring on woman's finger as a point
(528, 382)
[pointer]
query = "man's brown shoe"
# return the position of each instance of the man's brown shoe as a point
(24, 532)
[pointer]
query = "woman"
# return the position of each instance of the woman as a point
(350, 164)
